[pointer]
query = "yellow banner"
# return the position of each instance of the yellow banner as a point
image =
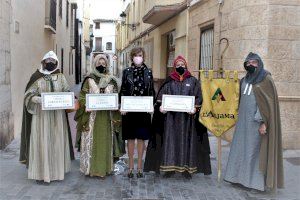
(219, 111)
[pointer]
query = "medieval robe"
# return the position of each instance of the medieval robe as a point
(46, 145)
(96, 130)
(255, 160)
(183, 144)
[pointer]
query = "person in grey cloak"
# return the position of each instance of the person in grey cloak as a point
(255, 158)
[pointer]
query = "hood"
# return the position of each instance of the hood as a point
(50, 54)
(259, 74)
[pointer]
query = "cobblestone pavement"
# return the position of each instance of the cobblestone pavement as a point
(15, 185)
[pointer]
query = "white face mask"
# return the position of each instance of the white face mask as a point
(138, 60)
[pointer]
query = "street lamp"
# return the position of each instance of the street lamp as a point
(131, 26)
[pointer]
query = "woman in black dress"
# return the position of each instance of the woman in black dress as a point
(137, 80)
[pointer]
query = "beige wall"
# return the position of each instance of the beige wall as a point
(283, 61)
(29, 46)
(157, 36)
(6, 115)
(270, 28)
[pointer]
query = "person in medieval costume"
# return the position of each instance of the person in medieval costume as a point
(182, 140)
(46, 144)
(255, 159)
(96, 129)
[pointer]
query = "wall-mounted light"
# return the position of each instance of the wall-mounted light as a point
(123, 16)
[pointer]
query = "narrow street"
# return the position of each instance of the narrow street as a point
(15, 185)
(141, 44)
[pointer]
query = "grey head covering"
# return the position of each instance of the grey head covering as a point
(259, 74)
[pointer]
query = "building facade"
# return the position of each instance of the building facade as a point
(104, 40)
(158, 26)
(205, 31)
(6, 114)
(56, 26)
(269, 28)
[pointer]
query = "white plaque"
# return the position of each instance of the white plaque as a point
(102, 101)
(137, 104)
(58, 101)
(178, 103)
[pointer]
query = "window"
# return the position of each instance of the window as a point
(108, 46)
(50, 14)
(97, 25)
(170, 51)
(70, 65)
(60, 8)
(62, 60)
(67, 14)
(206, 49)
(98, 44)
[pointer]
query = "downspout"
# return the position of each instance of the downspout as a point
(187, 28)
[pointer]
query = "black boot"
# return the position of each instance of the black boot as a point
(140, 174)
(169, 174)
(41, 182)
(187, 175)
(130, 173)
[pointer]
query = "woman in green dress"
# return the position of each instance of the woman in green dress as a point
(96, 129)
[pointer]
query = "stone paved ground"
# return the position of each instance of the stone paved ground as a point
(15, 185)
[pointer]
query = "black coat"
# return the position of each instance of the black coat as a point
(127, 82)
(136, 125)
(154, 153)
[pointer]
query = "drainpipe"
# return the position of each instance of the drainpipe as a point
(187, 29)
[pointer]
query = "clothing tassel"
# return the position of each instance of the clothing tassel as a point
(246, 88)
(250, 88)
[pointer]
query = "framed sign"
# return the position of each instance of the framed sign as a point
(137, 104)
(58, 101)
(178, 103)
(102, 101)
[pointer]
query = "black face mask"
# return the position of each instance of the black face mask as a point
(180, 70)
(250, 68)
(101, 69)
(50, 66)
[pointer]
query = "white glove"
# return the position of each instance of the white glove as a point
(193, 112)
(161, 110)
(123, 113)
(109, 89)
(36, 99)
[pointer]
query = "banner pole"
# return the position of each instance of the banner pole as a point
(219, 159)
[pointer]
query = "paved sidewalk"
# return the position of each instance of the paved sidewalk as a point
(15, 185)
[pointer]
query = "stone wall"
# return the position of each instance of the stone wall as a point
(6, 116)
(283, 61)
(270, 28)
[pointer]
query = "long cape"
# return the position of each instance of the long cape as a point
(154, 149)
(26, 125)
(271, 161)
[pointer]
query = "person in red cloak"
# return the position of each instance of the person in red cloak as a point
(179, 141)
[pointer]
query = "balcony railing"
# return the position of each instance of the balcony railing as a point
(50, 15)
